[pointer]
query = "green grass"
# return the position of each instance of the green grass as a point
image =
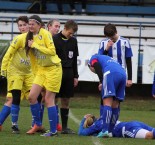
(131, 109)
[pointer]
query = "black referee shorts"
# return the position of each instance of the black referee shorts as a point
(67, 84)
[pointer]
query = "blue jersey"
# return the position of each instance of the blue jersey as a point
(121, 129)
(153, 86)
(129, 129)
(120, 50)
(107, 63)
(114, 76)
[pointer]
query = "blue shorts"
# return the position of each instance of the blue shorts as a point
(114, 85)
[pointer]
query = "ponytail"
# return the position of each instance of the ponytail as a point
(28, 37)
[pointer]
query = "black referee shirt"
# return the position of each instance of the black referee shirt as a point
(67, 50)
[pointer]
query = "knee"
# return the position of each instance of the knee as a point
(149, 135)
(8, 101)
(31, 99)
(65, 103)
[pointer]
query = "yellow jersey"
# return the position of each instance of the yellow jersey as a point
(15, 60)
(44, 50)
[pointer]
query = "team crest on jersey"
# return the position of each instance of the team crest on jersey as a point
(15, 41)
(40, 37)
(70, 55)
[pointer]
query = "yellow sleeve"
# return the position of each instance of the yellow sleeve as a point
(9, 54)
(49, 47)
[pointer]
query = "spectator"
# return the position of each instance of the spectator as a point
(40, 7)
(72, 6)
(59, 6)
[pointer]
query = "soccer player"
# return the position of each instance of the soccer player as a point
(153, 87)
(117, 47)
(40, 47)
(112, 81)
(23, 27)
(67, 50)
(53, 27)
(131, 129)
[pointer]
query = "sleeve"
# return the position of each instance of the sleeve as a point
(128, 50)
(153, 86)
(101, 48)
(84, 131)
(98, 71)
(49, 49)
(129, 67)
(9, 54)
(75, 67)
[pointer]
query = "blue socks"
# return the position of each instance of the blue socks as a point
(101, 110)
(52, 116)
(41, 111)
(114, 118)
(4, 113)
(14, 113)
(107, 113)
(36, 114)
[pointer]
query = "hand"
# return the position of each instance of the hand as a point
(100, 86)
(129, 83)
(3, 73)
(75, 82)
(87, 115)
(30, 43)
(109, 44)
(154, 96)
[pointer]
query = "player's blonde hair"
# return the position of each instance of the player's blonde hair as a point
(89, 121)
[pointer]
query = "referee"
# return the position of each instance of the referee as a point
(67, 50)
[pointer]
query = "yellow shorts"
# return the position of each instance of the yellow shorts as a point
(20, 82)
(49, 78)
(9, 95)
(23, 95)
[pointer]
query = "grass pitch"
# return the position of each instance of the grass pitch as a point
(131, 109)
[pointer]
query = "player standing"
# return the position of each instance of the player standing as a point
(16, 67)
(118, 48)
(112, 82)
(40, 47)
(53, 27)
(67, 50)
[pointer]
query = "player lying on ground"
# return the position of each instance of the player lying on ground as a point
(131, 129)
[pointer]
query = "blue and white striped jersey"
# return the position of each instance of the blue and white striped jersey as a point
(120, 50)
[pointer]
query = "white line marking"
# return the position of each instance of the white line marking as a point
(95, 140)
